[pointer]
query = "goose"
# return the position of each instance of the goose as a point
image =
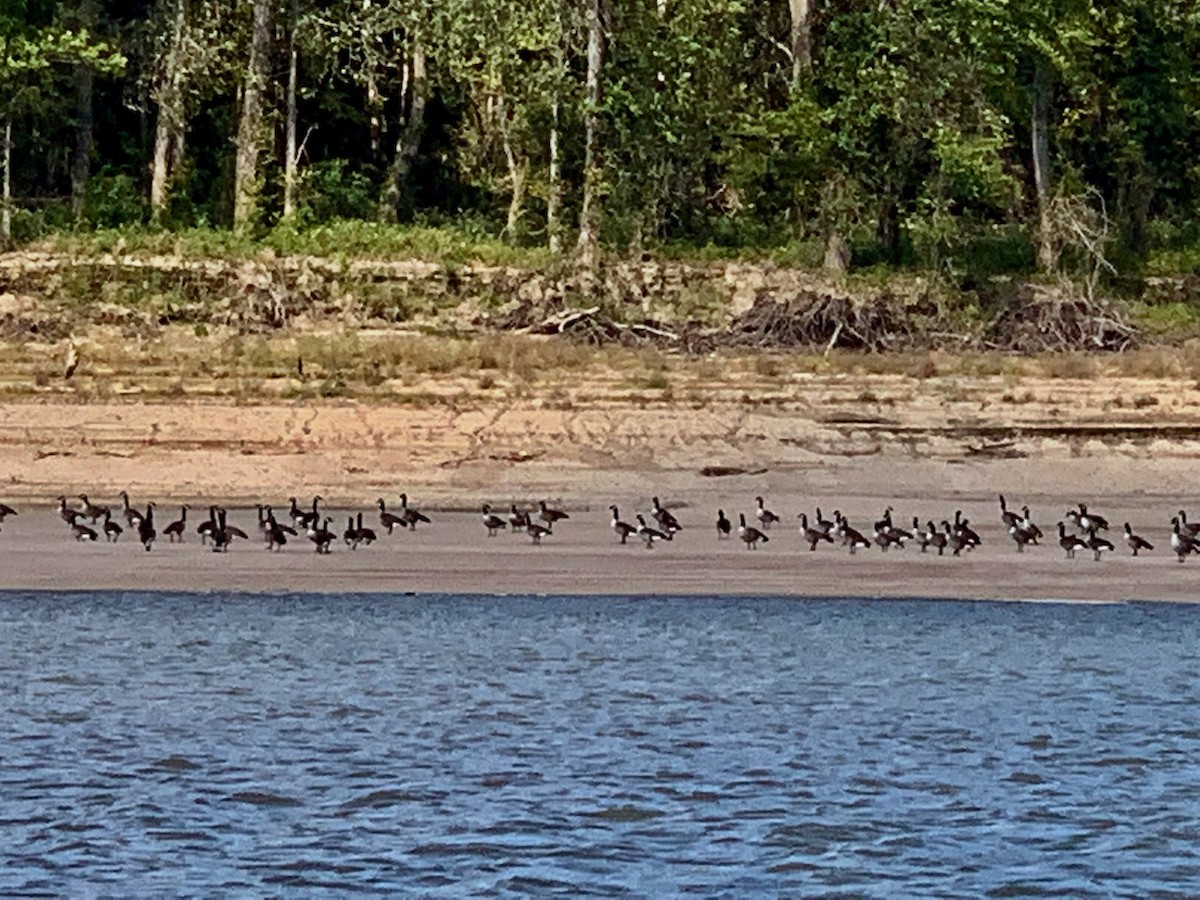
(882, 536)
(650, 535)
(812, 536)
(364, 535)
(955, 540)
(83, 532)
(1021, 535)
(112, 531)
(898, 536)
(1091, 521)
(851, 537)
(1135, 543)
(146, 532)
(1070, 542)
(517, 520)
(823, 524)
(276, 533)
(5, 511)
(174, 531)
(749, 534)
(920, 536)
(321, 535)
(350, 535)
(765, 517)
(492, 522)
(1189, 528)
(1097, 545)
(208, 527)
(223, 533)
(1008, 518)
(536, 531)
(1182, 543)
(411, 516)
(386, 519)
(91, 510)
(885, 522)
(724, 526)
(132, 516)
(67, 514)
(937, 538)
(550, 516)
(302, 519)
(622, 529)
(962, 527)
(664, 518)
(1027, 525)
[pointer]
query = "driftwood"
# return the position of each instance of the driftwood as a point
(997, 450)
(1054, 318)
(823, 321)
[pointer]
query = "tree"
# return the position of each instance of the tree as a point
(251, 127)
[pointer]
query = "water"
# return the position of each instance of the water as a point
(176, 745)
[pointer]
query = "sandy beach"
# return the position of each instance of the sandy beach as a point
(920, 456)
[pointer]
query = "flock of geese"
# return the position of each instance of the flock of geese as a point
(1079, 530)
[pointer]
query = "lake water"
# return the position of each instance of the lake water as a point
(214, 745)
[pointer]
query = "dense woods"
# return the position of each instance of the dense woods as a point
(953, 135)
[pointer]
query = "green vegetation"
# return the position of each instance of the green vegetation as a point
(969, 139)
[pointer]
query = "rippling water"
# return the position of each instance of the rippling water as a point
(158, 744)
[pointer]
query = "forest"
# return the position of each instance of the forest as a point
(964, 137)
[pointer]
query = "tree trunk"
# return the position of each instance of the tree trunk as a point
(517, 171)
(168, 129)
(290, 162)
(247, 188)
(554, 185)
(408, 141)
(1047, 256)
(6, 189)
(586, 245)
(801, 39)
(81, 163)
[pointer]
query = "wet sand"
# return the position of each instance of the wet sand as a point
(454, 555)
(799, 454)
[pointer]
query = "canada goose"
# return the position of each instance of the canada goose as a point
(67, 514)
(749, 534)
(5, 511)
(112, 531)
(1029, 527)
(1091, 521)
(1135, 543)
(223, 533)
(1097, 545)
(146, 532)
(1021, 535)
(765, 517)
(962, 527)
(321, 535)
(650, 535)
(302, 519)
(1070, 542)
(724, 526)
(91, 510)
(174, 531)
(882, 536)
(276, 533)
(364, 535)
(550, 516)
(920, 536)
(1008, 518)
(492, 522)
(898, 536)
(132, 516)
(622, 529)
(823, 524)
(885, 522)
(411, 516)
(955, 540)
(937, 539)
(536, 531)
(350, 535)
(82, 532)
(664, 517)
(1189, 528)
(386, 519)
(813, 536)
(517, 520)
(208, 527)
(1182, 543)
(851, 537)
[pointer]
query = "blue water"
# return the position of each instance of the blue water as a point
(157, 744)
